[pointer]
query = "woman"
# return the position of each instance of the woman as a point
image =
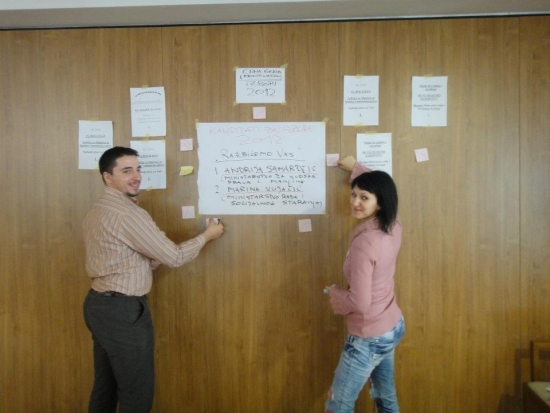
(374, 320)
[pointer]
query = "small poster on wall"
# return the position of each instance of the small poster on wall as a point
(361, 100)
(152, 159)
(260, 85)
(374, 150)
(94, 138)
(148, 111)
(429, 101)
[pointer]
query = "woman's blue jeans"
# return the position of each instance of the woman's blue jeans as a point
(361, 359)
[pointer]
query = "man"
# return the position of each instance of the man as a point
(123, 247)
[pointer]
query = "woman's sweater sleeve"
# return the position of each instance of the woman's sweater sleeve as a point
(362, 261)
(363, 255)
(358, 169)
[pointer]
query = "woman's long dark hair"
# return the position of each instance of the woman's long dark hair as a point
(380, 184)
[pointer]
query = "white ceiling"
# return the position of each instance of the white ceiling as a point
(24, 14)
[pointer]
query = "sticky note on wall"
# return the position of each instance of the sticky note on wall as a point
(304, 225)
(421, 155)
(186, 144)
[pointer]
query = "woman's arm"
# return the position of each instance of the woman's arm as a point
(362, 260)
(349, 164)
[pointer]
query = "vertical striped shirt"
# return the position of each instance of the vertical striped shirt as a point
(121, 240)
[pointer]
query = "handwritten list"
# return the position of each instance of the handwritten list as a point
(261, 168)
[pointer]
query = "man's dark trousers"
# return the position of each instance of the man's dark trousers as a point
(122, 333)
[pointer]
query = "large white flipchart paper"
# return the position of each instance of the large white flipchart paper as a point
(261, 168)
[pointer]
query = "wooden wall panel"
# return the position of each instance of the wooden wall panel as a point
(39, 276)
(458, 258)
(16, 238)
(245, 327)
(534, 172)
(261, 284)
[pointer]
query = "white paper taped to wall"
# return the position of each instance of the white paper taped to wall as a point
(261, 168)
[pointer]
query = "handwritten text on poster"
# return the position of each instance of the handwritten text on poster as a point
(261, 168)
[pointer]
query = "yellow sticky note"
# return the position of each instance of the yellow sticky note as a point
(186, 170)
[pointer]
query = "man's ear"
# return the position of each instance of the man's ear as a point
(107, 177)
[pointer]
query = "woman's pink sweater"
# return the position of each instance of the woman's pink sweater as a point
(369, 303)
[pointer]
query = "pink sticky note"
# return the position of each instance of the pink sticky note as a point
(421, 155)
(332, 159)
(304, 225)
(188, 212)
(258, 112)
(186, 144)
